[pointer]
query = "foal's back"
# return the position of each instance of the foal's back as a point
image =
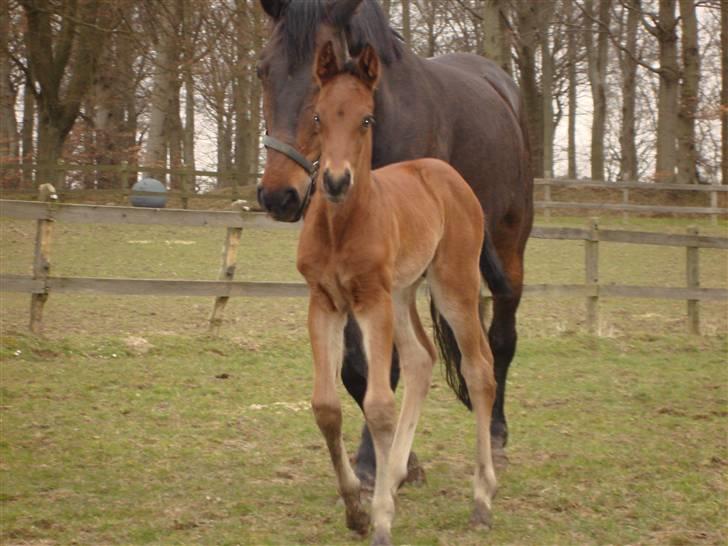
(432, 207)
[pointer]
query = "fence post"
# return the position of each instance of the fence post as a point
(625, 201)
(692, 271)
(547, 200)
(591, 268)
(714, 205)
(227, 272)
(41, 269)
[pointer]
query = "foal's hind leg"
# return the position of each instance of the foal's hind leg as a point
(326, 330)
(455, 291)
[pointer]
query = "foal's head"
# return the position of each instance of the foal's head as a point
(344, 117)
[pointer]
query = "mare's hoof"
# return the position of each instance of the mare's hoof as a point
(381, 538)
(358, 521)
(498, 452)
(481, 517)
(415, 472)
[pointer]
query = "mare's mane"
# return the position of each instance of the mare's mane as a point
(294, 34)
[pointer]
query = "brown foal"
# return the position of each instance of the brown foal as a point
(369, 238)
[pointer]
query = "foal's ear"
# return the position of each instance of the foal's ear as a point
(326, 65)
(368, 64)
(274, 8)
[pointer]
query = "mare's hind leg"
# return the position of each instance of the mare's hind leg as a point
(455, 291)
(502, 336)
(326, 331)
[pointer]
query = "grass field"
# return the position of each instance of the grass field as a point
(126, 425)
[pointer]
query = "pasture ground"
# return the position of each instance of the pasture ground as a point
(126, 425)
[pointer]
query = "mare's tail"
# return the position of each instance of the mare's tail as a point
(492, 270)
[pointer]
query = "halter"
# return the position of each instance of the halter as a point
(311, 168)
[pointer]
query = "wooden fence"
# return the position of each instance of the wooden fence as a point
(626, 207)
(42, 283)
(236, 181)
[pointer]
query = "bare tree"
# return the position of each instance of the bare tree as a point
(9, 145)
(597, 70)
(687, 169)
(64, 44)
(628, 65)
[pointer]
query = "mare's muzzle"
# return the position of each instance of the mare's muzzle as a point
(283, 204)
(336, 186)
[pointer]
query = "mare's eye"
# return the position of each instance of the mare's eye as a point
(367, 122)
(316, 119)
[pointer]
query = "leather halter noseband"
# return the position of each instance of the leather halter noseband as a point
(311, 168)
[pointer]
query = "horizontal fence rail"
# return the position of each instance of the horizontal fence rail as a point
(41, 284)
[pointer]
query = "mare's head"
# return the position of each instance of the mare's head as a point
(344, 118)
(300, 27)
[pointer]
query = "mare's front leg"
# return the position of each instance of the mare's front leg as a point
(375, 317)
(326, 326)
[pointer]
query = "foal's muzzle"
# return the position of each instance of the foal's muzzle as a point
(282, 204)
(336, 186)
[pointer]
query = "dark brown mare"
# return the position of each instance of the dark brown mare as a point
(369, 239)
(460, 108)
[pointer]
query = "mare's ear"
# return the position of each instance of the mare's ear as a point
(368, 65)
(274, 8)
(341, 11)
(326, 65)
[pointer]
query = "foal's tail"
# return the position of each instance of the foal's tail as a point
(492, 270)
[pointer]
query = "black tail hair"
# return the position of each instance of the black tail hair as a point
(492, 270)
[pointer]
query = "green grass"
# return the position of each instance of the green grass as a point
(126, 425)
(210, 441)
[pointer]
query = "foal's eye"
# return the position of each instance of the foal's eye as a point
(367, 122)
(316, 119)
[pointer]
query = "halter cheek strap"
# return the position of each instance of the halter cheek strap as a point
(311, 168)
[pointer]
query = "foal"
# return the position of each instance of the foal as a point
(368, 240)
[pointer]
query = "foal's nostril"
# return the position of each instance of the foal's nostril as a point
(334, 186)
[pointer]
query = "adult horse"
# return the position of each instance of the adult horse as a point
(461, 108)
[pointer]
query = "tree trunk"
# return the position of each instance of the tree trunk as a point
(628, 64)
(597, 78)
(687, 164)
(571, 74)
(8, 123)
(547, 83)
(724, 92)
(495, 42)
(527, 44)
(26, 136)
(406, 29)
(189, 128)
(667, 100)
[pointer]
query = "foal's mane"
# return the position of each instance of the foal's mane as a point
(369, 25)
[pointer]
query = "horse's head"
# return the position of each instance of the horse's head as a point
(300, 27)
(344, 117)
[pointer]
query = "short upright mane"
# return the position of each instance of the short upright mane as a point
(369, 25)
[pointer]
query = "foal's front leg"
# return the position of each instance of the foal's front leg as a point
(375, 317)
(326, 328)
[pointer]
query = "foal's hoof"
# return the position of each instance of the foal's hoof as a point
(358, 521)
(381, 538)
(481, 517)
(415, 472)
